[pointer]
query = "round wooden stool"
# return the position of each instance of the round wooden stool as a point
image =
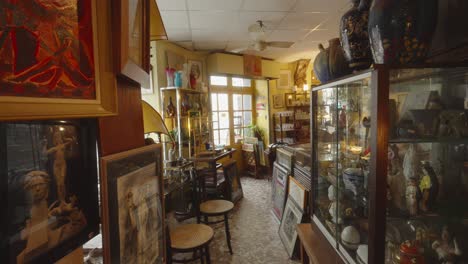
(217, 208)
(191, 238)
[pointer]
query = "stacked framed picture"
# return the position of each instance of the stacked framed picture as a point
(49, 189)
(278, 190)
(293, 214)
(132, 206)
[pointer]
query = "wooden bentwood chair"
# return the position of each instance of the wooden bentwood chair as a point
(213, 208)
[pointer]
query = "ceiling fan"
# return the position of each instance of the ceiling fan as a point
(257, 33)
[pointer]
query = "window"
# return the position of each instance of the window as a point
(218, 80)
(232, 110)
(220, 118)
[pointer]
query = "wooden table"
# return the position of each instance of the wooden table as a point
(212, 158)
(314, 246)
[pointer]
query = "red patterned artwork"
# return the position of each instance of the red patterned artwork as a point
(46, 49)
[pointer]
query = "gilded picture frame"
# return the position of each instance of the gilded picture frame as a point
(104, 103)
(133, 206)
(131, 22)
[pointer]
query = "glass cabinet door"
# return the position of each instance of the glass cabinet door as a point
(341, 137)
(325, 186)
(354, 102)
(427, 176)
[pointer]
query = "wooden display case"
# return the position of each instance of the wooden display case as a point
(388, 175)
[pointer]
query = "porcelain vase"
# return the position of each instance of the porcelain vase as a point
(354, 35)
(400, 31)
(330, 63)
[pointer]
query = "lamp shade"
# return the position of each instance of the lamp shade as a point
(152, 120)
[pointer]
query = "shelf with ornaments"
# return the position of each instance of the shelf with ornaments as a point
(186, 115)
(400, 137)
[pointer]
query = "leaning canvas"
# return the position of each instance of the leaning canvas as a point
(291, 218)
(132, 206)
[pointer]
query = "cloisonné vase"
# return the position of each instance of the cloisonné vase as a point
(400, 31)
(354, 35)
(330, 63)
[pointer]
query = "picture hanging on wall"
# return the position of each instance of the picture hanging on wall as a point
(195, 71)
(278, 101)
(49, 189)
(57, 67)
(291, 218)
(252, 65)
(132, 31)
(133, 212)
(175, 60)
(284, 81)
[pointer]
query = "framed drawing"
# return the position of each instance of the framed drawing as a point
(48, 189)
(291, 218)
(279, 188)
(195, 69)
(278, 101)
(252, 65)
(284, 81)
(132, 206)
(297, 193)
(56, 68)
(131, 22)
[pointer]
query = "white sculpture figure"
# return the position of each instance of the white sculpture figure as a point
(412, 197)
(336, 212)
(36, 183)
(332, 193)
(60, 164)
(411, 163)
(447, 247)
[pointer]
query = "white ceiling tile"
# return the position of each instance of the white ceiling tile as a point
(214, 4)
(268, 5)
(165, 5)
(322, 35)
(186, 44)
(212, 19)
(175, 19)
(321, 5)
(179, 35)
(207, 35)
(303, 20)
(232, 45)
(212, 45)
(270, 19)
(287, 35)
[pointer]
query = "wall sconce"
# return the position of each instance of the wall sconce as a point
(305, 88)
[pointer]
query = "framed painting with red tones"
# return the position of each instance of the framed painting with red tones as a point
(53, 62)
(252, 65)
(132, 38)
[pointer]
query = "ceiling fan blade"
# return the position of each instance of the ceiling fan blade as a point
(238, 50)
(280, 44)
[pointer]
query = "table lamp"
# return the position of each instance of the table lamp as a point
(153, 122)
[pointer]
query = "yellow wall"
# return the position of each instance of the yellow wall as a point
(159, 62)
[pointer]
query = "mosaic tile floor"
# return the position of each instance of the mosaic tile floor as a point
(254, 230)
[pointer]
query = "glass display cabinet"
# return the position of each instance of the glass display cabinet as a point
(185, 112)
(390, 173)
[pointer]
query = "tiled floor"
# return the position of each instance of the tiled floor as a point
(254, 229)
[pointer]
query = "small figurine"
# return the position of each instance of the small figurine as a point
(447, 247)
(410, 254)
(411, 163)
(412, 197)
(170, 109)
(342, 117)
(429, 187)
(395, 180)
